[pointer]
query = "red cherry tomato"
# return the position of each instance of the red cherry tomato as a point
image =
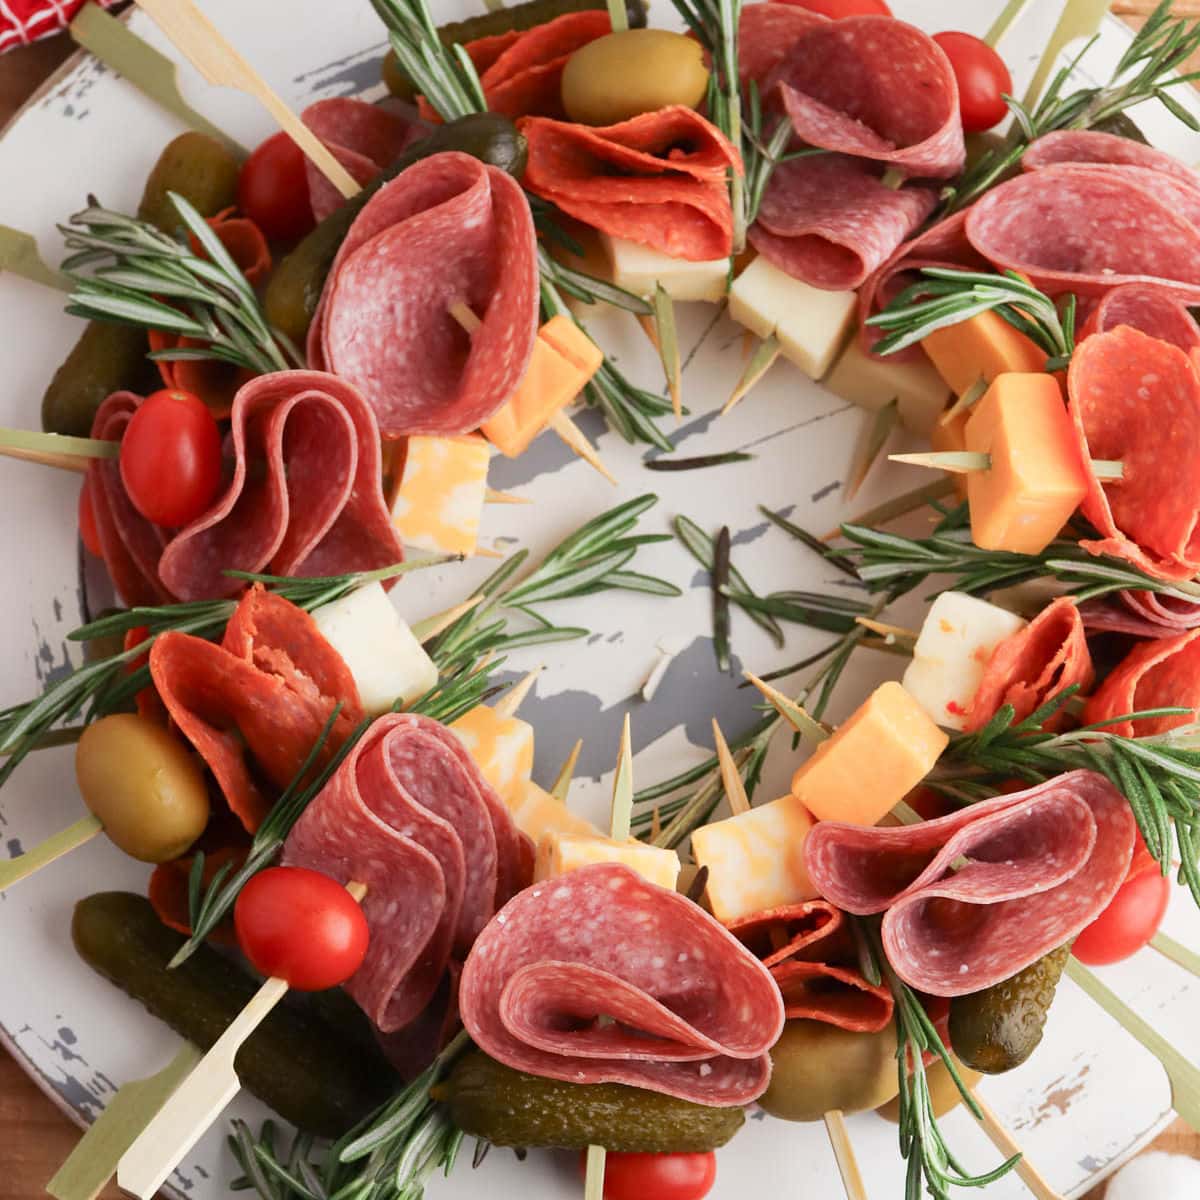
(302, 927)
(983, 80)
(1128, 923)
(88, 533)
(273, 190)
(171, 458)
(844, 8)
(657, 1176)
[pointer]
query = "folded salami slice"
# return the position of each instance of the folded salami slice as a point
(1157, 311)
(1141, 614)
(830, 220)
(1090, 146)
(693, 1013)
(409, 814)
(448, 230)
(1041, 864)
(1136, 399)
(810, 954)
(877, 88)
(306, 496)
(658, 179)
(254, 706)
(1158, 674)
(1035, 664)
(766, 33)
(363, 137)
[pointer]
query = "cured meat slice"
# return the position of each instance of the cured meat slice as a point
(363, 137)
(306, 496)
(254, 706)
(658, 179)
(877, 88)
(766, 32)
(1158, 674)
(808, 950)
(1041, 864)
(693, 1013)
(448, 230)
(409, 814)
(1035, 664)
(1136, 399)
(830, 220)
(168, 888)
(1141, 614)
(1090, 146)
(1159, 312)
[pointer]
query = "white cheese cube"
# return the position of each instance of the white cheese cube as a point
(386, 660)
(812, 325)
(755, 860)
(958, 638)
(637, 269)
(559, 853)
(871, 383)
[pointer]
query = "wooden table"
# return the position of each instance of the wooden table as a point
(34, 1136)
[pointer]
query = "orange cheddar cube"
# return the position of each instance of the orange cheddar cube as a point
(983, 347)
(1037, 477)
(873, 760)
(563, 362)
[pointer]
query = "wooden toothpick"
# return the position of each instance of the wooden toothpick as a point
(562, 782)
(731, 778)
(55, 449)
(763, 359)
(1004, 1141)
(51, 850)
(796, 716)
(426, 630)
(843, 1151)
(515, 696)
(963, 462)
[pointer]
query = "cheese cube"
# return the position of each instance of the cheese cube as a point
(563, 362)
(982, 347)
(442, 492)
(638, 269)
(559, 853)
(386, 660)
(873, 760)
(755, 860)
(1037, 477)
(958, 638)
(502, 748)
(812, 325)
(536, 812)
(873, 382)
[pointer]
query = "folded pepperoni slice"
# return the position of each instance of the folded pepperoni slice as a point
(1157, 311)
(1159, 674)
(658, 179)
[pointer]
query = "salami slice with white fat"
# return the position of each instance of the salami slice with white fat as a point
(766, 33)
(1160, 312)
(693, 1013)
(1141, 614)
(1090, 146)
(1041, 865)
(448, 230)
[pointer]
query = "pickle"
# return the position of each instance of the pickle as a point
(502, 20)
(295, 287)
(322, 1075)
(509, 1108)
(200, 169)
(997, 1029)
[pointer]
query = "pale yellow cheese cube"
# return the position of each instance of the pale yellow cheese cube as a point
(441, 495)
(536, 812)
(639, 269)
(755, 860)
(559, 853)
(920, 392)
(502, 747)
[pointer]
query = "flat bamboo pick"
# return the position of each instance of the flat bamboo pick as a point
(429, 628)
(562, 782)
(1080, 19)
(618, 15)
(515, 696)
(895, 634)
(1179, 954)
(1029, 1175)
(762, 360)
(899, 506)
(136, 61)
(55, 449)
(19, 254)
(962, 462)
(195, 36)
(731, 777)
(667, 343)
(52, 849)
(843, 1151)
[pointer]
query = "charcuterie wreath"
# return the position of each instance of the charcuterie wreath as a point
(296, 370)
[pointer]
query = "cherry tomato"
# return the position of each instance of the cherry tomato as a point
(657, 1176)
(983, 80)
(88, 533)
(302, 927)
(273, 190)
(171, 458)
(844, 8)
(1128, 923)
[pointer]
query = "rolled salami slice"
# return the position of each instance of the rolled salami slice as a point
(693, 1013)
(766, 33)
(1159, 312)
(1035, 664)
(1041, 864)
(658, 179)
(809, 952)
(1141, 614)
(448, 230)
(1158, 674)
(306, 496)
(1137, 399)
(830, 221)
(877, 88)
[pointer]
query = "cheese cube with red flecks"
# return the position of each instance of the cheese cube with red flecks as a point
(440, 499)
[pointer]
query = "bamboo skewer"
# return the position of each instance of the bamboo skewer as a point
(900, 506)
(1080, 19)
(51, 850)
(426, 630)
(963, 462)
(515, 696)
(1004, 1141)
(1179, 954)
(562, 782)
(55, 449)
(19, 254)
(760, 363)
(731, 778)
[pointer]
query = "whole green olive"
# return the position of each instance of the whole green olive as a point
(144, 785)
(943, 1091)
(820, 1067)
(633, 72)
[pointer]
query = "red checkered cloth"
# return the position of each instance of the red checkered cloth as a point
(25, 21)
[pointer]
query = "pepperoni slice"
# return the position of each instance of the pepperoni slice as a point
(1159, 674)
(1157, 311)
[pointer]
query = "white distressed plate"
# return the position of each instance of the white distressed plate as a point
(1089, 1098)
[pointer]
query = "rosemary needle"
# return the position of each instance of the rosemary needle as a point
(720, 586)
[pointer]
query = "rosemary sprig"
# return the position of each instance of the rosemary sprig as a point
(143, 268)
(697, 463)
(720, 591)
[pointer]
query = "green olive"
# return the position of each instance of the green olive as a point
(632, 72)
(943, 1091)
(143, 783)
(395, 78)
(819, 1067)
(200, 169)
